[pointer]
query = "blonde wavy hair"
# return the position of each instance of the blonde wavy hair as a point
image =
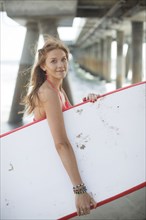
(38, 76)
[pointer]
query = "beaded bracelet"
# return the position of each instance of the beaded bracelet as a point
(80, 189)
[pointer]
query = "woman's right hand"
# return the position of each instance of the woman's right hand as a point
(91, 97)
(84, 202)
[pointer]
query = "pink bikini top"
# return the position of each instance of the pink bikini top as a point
(65, 105)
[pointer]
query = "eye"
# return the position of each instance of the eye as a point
(64, 59)
(53, 61)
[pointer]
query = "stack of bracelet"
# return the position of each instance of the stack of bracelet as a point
(80, 189)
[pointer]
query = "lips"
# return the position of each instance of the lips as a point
(61, 71)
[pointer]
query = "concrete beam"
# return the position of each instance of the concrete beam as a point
(137, 40)
(120, 68)
(34, 10)
(40, 8)
(109, 43)
(48, 26)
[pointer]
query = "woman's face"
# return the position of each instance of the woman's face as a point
(56, 64)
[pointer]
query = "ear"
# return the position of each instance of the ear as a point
(43, 67)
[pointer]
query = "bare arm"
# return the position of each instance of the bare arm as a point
(55, 119)
(51, 105)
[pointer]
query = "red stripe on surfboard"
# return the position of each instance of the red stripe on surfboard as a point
(133, 189)
(109, 93)
(19, 128)
(82, 103)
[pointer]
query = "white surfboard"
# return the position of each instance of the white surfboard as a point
(108, 138)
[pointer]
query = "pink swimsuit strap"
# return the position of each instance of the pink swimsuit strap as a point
(65, 105)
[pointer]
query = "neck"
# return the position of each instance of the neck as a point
(55, 82)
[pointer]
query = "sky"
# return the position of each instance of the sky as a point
(12, 38)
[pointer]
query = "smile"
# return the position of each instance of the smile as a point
(61, 71)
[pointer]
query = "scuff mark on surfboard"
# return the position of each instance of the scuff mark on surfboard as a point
(82, 140)
(11, 167)
(112, 127)
(82, 146)
(99, 102)
(79, 135)
(79, 111)
(7, 202)
(115, 128)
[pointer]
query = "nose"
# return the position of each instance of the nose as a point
(60, 64)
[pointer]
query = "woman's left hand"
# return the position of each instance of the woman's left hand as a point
(91, 97)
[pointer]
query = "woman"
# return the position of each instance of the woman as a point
(47, 99)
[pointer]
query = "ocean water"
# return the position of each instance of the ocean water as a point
(82, 83)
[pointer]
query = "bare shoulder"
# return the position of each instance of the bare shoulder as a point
(45, 93)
